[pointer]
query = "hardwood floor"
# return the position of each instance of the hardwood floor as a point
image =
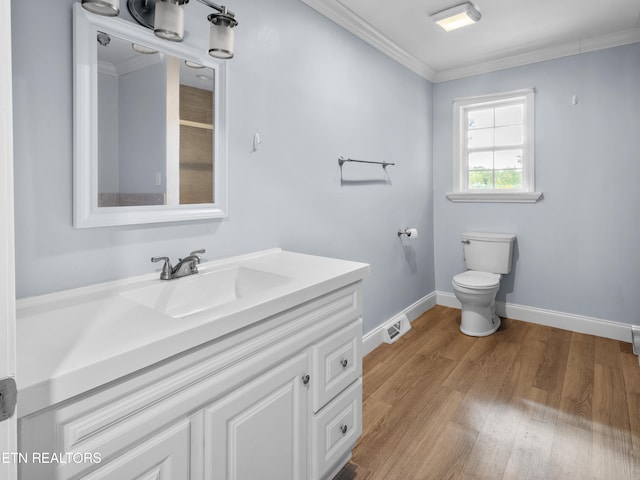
(529, 402)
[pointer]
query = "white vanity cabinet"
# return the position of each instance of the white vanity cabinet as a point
(280, 399)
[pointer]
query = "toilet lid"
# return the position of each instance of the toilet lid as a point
(473, 279)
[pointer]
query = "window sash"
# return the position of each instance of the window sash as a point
(462, 109)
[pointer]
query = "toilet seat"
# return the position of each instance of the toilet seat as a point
(477, 280)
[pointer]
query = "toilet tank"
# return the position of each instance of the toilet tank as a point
(488, 252)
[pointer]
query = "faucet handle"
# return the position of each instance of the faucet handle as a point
(197, 253)
(166, 268)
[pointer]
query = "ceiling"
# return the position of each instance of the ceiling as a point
(510, 32)
(119, 58)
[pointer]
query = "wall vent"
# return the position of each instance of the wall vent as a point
(395, 328)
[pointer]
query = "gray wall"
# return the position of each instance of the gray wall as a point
(313, 91)
(576, 248)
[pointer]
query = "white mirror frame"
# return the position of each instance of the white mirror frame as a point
(86, 213)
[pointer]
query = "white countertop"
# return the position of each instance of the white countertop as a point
(72, 341)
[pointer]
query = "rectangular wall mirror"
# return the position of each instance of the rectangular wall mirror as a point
(149, 123)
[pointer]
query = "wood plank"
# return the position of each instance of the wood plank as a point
(491, 402)
(612, 443)
(577, 391)
(550, 373)
(629, 365)
(531, 449)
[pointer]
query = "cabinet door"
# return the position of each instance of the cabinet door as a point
(163, 457)
(259, 431)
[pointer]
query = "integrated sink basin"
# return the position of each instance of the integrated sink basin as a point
(205, 290)
(73, 341)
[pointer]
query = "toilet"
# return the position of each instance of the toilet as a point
(487, 256)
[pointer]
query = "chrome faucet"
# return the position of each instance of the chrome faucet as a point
(186, 266)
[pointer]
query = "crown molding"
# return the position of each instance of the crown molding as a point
(347, 19)
(353, 23)
(601, 42)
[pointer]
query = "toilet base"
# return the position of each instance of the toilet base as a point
(475, 325)
(478, 316)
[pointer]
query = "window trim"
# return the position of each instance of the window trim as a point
(461, 193)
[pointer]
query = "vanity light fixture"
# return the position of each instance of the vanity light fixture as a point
(456, 17)
(107, 8)
(221, 32)
(169, 20)
(166, 18)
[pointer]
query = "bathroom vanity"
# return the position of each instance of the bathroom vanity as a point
(250, 369)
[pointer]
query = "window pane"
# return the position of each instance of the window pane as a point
(481, 138)
(494, 149)
(481, 161)
(481, 179)
(508, 159)
(509, 115)
(512, 135)
(480, 118)
(509, 179)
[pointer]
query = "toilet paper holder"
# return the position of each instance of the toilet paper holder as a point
(409, 232)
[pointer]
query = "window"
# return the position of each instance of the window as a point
(493, 157)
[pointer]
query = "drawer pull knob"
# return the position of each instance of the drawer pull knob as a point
(343, 429)
(344, 363)
(305, 379)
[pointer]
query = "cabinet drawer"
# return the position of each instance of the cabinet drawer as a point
(337, 363)
(335, 430)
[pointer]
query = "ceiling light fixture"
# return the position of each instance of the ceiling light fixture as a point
(191, 64)
(456, 17)
(142, 49)
(103, 39)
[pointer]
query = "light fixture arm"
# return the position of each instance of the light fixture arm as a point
(143, 11)
(220, 8)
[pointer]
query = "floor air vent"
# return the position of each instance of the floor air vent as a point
(395, 328)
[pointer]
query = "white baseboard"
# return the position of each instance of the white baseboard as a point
(447, 300)
(566, 321)
(372, 339)
(551, 318)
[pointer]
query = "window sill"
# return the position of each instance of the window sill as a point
(493, 197)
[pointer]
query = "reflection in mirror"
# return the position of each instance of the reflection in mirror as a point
(155, 124)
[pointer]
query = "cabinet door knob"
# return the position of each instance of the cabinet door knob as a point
(305, 379)
(343, 429)
(344, 362)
